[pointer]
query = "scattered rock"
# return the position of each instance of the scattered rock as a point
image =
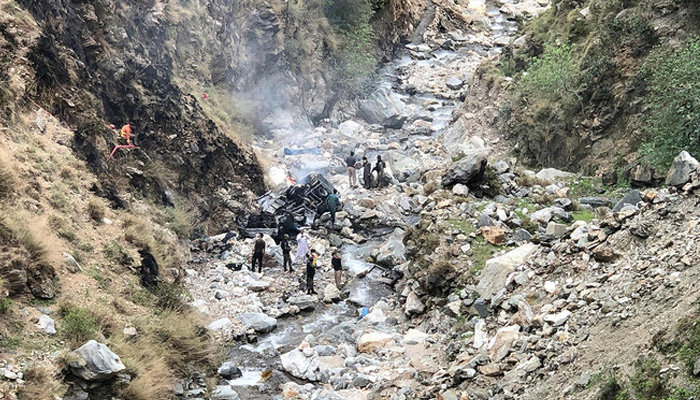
(684, 165)
(261, 323)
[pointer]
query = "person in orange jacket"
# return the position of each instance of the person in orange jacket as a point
(125, 133)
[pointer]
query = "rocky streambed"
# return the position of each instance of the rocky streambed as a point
(360, 342)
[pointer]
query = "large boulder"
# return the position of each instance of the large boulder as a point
(371, 341)
(96, 362)
(304, 302)
(385, 108)
(261, 323)
(553, 174)
(681, 170)
(494, 275)
(631, 198)
(393, 251)
(468, 171)
(224, 392)
(302, 362)
(414, 305)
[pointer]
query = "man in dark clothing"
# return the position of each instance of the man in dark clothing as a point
(258, 252)
(310, 271)
(350, 162)
(379, 167)
(336, 262)
(289, 225)
(367, 172)
(286, 249)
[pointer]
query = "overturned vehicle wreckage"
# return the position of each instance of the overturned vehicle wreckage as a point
(300, 205)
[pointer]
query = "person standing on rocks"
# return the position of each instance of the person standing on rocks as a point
(336, 262)
(302, 246)
(352, 175)
(310, 271)
(367, 172)
(286, 250)
(379, 167)
(333, 203)
(258, 251)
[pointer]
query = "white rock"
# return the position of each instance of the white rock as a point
(558, 318)
(224, 393)
(495, 274)
(46, 324)
(550, 287)
(460, 189)
(220, 325)
(96, 362)
(372, 341)
(414, 305)
(300, 365)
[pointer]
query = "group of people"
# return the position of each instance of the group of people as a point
(367, 170)
(303, 255)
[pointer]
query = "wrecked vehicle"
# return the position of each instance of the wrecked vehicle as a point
(300, 205)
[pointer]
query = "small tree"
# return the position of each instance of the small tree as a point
(552, 76)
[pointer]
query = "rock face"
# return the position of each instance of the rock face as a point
(261, 323)
(467, 171)
(680, 173)
(96, 362)
(384, 108)
(493, 276)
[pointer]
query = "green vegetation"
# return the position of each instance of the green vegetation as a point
(180, 221)
(551, 76)
(78, 325)
(583, 215)
(354, 59)
(673, 121)
(462, 225)
(5, 305)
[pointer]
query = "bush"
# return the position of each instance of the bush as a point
(552, 76)
(96, 210)
(79, 325)
(171, 296)
(673, 120)
(180, 221)
(5, 306)
(647, 382)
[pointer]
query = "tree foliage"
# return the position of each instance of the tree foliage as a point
(673, 120)
(552, 76)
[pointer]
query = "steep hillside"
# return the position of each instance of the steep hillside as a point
(583, 86)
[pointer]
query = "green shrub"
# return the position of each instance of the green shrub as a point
(673, 120)
(552, 76)
(647, 382)
(79, 325)
(115, 252)
(171, 296)
(5, 305)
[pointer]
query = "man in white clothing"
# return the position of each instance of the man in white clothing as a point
(302, 246)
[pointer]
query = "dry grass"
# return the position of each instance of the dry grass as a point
(42, 382)
(96, 210)
(530, 180)
(8, 182)
(167, 344)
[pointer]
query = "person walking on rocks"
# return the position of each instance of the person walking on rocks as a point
(336, 262)
(258, 252)
(350, 162)
(286, 250)
(379, 167)
(333, 203)
(302, 246)
(367, 172)
(310, 271)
